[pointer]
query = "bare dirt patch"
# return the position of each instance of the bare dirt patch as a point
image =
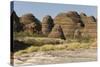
(53, 57)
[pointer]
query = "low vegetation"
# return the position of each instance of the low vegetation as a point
(32, 49)
(50, 47)
(47, 47)
(28, 34)
(39, 41)
(52, 44)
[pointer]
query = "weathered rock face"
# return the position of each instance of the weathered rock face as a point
(72, 21)
(64, 25)
(17, 26)
(31, 24)
(90, 28)
(82, 14)
(87, 19)
(72, 14)
(69, 22)
(57, 32)
(47, 24)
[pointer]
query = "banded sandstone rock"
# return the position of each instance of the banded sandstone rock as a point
(31, 24)
(90, 23)
(17, 26)
(47, 24)
(57, 32)
(69, 22)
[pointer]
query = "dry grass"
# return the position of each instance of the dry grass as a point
(20, 52)
(32, 49)
(52, 44)
(39, 41)
(50, 47)
(47, 47)
(73, 46)
(61, 47)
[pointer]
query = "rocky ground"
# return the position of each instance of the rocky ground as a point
(53, 57)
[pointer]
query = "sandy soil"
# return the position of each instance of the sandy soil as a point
(54, 57)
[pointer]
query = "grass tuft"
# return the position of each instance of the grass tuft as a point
(47, 47)
(32, 49)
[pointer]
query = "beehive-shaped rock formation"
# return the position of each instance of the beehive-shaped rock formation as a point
(90, 23)
(57, 32)
(31, 24)
(69, 22)
(47, 24)
(17, 26)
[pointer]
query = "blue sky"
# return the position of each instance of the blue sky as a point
(39, 10)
